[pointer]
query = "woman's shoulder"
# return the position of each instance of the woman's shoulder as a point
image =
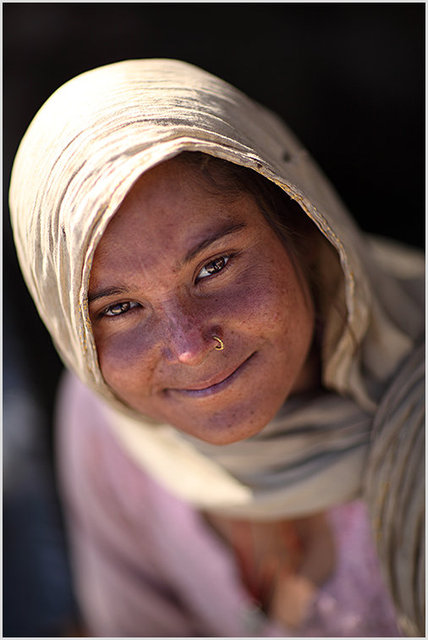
(94, 471)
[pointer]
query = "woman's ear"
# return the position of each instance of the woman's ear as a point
(306, 237)
(312, 241)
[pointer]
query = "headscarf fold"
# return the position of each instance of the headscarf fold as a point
(394, 490)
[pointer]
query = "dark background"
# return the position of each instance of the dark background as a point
(347, 78)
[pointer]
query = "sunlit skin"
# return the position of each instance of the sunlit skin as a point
(178, 265)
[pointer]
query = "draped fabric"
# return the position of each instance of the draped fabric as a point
(82, 153)
(291, 468)
(394, 489)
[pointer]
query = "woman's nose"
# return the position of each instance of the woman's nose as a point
(187, 337)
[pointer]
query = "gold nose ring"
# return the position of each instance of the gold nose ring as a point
(220, 345)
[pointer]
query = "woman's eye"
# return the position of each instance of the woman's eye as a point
(119, 309)
(213, 267)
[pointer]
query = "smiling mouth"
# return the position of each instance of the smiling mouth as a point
(218, 386)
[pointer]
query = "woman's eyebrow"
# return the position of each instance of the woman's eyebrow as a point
(212, 237)
(103, 293)
(218, 233)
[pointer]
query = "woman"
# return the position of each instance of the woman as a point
(242, 357)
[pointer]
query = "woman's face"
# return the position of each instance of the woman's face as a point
(178, 265)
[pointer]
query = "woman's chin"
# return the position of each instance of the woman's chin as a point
(229, 425)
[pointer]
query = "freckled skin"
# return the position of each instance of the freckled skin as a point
(163, 346)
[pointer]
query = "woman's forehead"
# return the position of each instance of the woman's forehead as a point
(172, 198)
(176, 225)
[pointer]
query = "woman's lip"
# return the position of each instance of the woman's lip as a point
(216, 386)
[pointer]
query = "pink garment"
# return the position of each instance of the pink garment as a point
(147, 564)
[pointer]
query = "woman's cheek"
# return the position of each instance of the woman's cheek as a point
(122, 356)
(259, 297)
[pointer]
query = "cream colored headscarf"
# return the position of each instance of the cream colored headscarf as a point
(81, 154)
